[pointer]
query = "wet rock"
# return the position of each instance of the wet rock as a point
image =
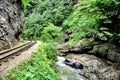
(107, 51)
(73, 64)
(105, 74)
(95, 68)
(99, 61)
(113, 56)
(78, 65)
(11, 22)
(69, 62)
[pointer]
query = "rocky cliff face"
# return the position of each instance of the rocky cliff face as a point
(11, 22)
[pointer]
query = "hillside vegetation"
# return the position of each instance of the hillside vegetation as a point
(98, 19)
(50, 20)
(38, 67)
(41, 13)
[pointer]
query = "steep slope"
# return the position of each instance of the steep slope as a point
(11, 22)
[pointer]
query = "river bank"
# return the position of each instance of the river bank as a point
(96, 65)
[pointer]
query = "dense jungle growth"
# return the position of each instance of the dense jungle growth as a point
(50, 20)
(98, 19)
(41, 14)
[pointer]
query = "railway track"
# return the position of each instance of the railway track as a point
(5, 55)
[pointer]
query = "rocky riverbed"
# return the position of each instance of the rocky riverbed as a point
(85, 62)
(66, 72)
(93, 68)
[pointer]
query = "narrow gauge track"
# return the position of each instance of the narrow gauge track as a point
(5, 55)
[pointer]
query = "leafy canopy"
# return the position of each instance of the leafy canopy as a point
(43, 12)
(99, 19)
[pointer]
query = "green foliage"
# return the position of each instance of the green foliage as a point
(51, 33)
(25, 2)
(100, 49)
(50, 49)
(82, 22)
(98, 19)
(33, 26)
(96, 48)
(110, 17)
(38, 67)
(43, 12)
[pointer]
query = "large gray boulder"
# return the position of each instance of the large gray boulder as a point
(11, 22)
(95, 68)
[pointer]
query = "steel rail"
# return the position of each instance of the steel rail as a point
(6, 54)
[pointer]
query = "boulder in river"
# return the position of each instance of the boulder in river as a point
(95, 68)
(73, 64)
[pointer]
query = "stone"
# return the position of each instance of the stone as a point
(11, 22)
(82, 46)
(94, 68)
(78, 65)
(113, 56)
(73, 64)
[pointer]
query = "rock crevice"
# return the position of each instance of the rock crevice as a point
(11, 22)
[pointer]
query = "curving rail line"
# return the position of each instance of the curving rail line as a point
(5, 55)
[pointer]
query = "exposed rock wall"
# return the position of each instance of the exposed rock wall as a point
(11, 22)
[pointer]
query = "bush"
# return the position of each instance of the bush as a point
(38, 67)
(98, 19)
(33, 26)
(51, 34)
(43, 12)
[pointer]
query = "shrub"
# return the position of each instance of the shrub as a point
(43, 12)
(90, 16)
(38, 67)
(51, 34)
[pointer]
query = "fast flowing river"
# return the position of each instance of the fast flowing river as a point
(67, 73)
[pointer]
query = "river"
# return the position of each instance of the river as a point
(66, 72)
(94, 68)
